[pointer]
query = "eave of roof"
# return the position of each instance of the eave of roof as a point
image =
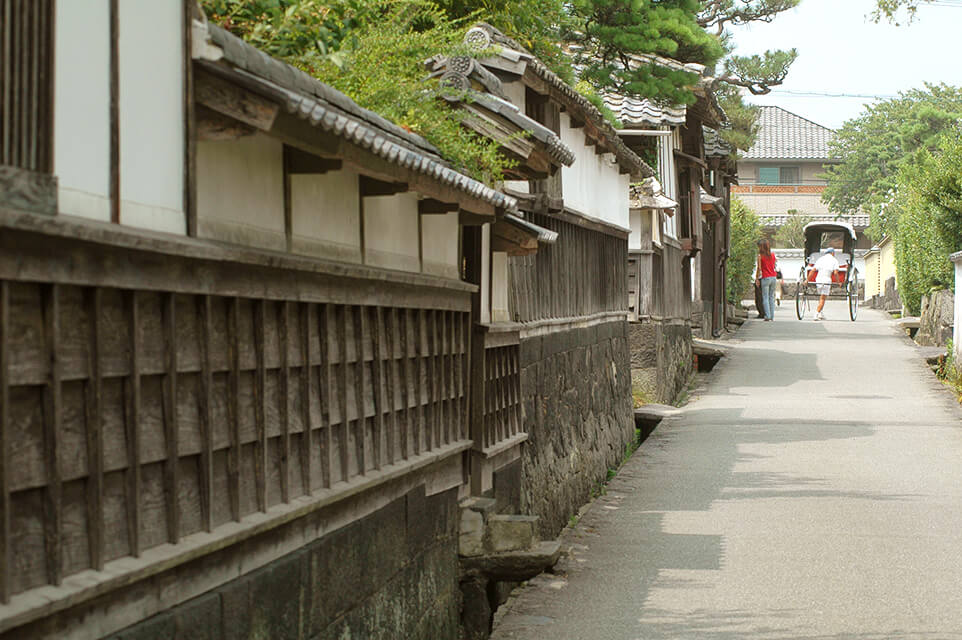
(456, 75)
(335, 113)
(483, 35)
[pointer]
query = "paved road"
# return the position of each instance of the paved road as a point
(812, 489)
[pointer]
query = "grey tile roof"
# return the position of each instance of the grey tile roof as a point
(784, 134)
(327, 108)
(778, 219)
(482, 35)
(455, 75)
(715, 147)
(635, 112)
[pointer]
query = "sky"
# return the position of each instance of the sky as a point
(841, 51)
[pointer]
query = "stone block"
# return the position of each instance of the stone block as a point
(507, 487)
(476, 612)
(511, 533)
(471, 535)
(236, 605)
(276, 597)
(199, 619)
(159, 627)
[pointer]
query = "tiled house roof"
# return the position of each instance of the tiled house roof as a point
(785, 135)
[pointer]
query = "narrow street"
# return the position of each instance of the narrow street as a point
(810, 489)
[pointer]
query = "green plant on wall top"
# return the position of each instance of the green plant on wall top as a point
(374, 52)
(746, 230)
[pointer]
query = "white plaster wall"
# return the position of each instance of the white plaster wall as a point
(634, 240)
(593, 186)
(391, 238)
(521, 186)
(499, 287)
(486, 273)
(667, 175)
(326, 215)
(440, 244)
(151, 50)
(82, 108)
(240, 191)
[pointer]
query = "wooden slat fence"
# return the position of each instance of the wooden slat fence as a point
(583, 273)
(501, 419)
(26, 84)
(134, 418)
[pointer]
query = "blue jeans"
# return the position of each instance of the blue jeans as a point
(768, 297)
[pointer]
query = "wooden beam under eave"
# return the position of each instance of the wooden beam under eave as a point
(234, 101)
(213, 126)
(430, 206)
(514, 236)
(374, 187)
(506, 246)
(295, 132)
(301, 162)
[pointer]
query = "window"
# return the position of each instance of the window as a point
(778, 175)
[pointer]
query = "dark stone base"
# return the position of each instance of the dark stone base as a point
(576, 386)
(392, 574)
(661, 359)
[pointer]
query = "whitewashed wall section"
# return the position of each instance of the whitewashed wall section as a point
(82, 108)
(325, 215)
(240, 192)
(593, 185)
(151, 83)
(439, 244)
(391, 237)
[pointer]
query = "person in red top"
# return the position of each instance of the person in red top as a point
(765, 270)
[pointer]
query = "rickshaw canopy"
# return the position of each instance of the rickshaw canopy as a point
(814, 232)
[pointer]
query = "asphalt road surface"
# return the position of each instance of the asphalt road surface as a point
(811, 489)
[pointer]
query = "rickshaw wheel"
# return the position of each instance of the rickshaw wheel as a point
(853, 296)
(800, 302)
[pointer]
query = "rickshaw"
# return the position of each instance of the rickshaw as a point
(819, 236)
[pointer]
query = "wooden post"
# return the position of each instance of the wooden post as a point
(390, 327)
(324, 389)
(233, 409)
(6, 564)
(360, 425)
(93, 419)
(206, 416)
(376, 384)
(305, 325)
(52, 416)
(169, 394)
(283, 339)
(408, 443)
(132, 426)
(342, 389)
(260, 419)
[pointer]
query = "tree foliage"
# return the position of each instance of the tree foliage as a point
(876, 145)
(373, 51)
(610, 35)
(791, 235)
(934, 183)
(746, 230)
(890, 10)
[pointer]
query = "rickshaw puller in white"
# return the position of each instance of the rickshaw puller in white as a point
(826, 269)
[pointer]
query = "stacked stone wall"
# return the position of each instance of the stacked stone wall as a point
(392, 574)
(661, 359)
(576, 386)
(937, 320)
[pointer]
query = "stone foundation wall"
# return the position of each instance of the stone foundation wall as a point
(661, 358)
(937, 319)
(576, 386)
(392, 574)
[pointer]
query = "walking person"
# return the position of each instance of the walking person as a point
(765, 276)
(826, 269)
